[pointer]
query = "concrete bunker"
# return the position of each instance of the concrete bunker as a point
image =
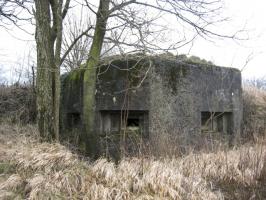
(139, 100)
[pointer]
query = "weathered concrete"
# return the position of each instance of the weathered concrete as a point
(157, 95)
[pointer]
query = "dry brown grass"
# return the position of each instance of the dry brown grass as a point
(33, 170)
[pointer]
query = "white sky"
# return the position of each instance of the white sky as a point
(247, 14)
(250, 14)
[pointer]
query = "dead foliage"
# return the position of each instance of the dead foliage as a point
(51, 171)
(254, 112)
(17, 103)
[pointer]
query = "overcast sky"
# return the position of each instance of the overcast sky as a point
(244, 14)
(248, 14)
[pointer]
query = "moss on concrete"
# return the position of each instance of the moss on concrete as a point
(176, 75)
(71, 102)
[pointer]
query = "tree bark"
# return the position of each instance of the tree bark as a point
(44, 86)
(92, 147)
(57, 63)
(49, 41)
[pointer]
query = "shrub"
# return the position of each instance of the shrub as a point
(17, 104)
(254, 112)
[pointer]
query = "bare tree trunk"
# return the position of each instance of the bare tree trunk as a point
(44, 86)
(49, 41)
(57, 60)
(92, 147)
(33, 78)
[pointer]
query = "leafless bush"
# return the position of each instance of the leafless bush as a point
(254, 112)
(170, 135)
(17, 103)
(170, 138)
(259, 83)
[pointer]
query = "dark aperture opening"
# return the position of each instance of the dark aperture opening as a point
(133, 122)
(216, 122)
(73, 120)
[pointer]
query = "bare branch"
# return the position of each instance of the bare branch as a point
(74, 43)
(66, 7)
(13, 11)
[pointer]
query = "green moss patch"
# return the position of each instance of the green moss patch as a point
(7, 168)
